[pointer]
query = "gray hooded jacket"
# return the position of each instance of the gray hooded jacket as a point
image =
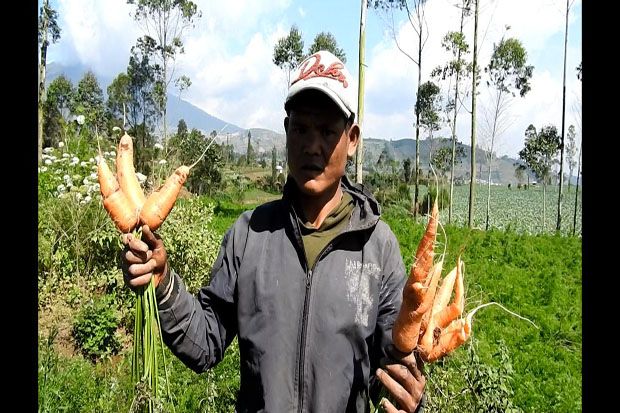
(310, 339)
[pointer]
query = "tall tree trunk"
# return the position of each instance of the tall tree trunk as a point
(577, 192)
(417, 128)
(558, 225)
(456, 99)
(42, 65)
(473, 120)
(359, 154)
(544, 205)
(493, 132)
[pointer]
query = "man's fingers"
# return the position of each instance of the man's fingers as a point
(137, 270)
(387, 406)
(140, 280)
(403, 398)
(138, 257)
(402, 375)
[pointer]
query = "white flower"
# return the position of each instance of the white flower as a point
(85, 181)
(78, 195)
(158, 146)
(66, 155)
(112, 153)
(80, 119)
(83, 163)
(43, 169)
(162, 162)
(75, 159)
(140, 177)
(48, 162)
(60, 188)
(93, 176)
(116, 128)
(87, 199)
(61, 144)
(66, 177)
(48, 149)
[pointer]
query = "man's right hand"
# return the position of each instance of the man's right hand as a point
(143, 259)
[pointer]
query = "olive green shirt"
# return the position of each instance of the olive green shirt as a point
(316, 239)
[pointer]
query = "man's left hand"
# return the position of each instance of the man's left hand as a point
(402, 376)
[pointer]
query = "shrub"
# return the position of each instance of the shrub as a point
(191, 244)
(95, 327)
(426, 203)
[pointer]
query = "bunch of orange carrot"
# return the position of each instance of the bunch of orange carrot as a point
(426, 322)
(122, 194)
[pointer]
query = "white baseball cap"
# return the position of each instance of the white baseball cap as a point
(324, 72)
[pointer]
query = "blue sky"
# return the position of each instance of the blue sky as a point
(228, 57)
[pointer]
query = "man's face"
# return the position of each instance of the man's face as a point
(318, 143)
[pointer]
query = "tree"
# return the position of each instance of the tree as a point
(415, 13)
(88, 101)
(57, 108)
(457, 67)
(474, 83)
(407, 170)
(427, 109)
(289, 52)
(250, 152)
(539, 155)
(571, 152)
(274, 164)
(519, 172)
(164, 21)
(558, 224)
(508, 73)
(359, 151)
(48, 30)
(327, 41)
(119, 97)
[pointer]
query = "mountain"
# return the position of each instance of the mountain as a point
(177, 108)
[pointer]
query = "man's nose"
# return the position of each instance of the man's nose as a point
(313, 143)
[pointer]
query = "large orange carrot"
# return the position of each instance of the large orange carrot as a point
(159, 204)
(126, 174)
(115, 201)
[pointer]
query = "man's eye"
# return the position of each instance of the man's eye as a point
(328, 132)
(299, 129)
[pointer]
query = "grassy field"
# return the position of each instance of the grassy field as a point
(508, 363)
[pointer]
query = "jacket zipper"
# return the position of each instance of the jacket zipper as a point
(304, 325)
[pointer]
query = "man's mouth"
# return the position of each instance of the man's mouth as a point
(312, 167)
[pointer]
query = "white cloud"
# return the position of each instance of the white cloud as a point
(302, 12)
(391, 77)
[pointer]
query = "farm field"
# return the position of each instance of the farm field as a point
(508, 365)
(515, 209)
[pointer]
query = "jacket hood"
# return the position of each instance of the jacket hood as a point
(367, 210)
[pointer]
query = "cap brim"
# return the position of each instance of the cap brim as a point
(297, 88)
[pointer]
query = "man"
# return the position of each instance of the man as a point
(310, 284)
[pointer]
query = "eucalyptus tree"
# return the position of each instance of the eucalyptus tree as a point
(327, 41)
(57, 108)
(289, 52)
(89, 102)
(415, 10)
(428, 106)
(164, 21)
(571, 152)
(558, 224)
(539, 154)
(578, 165)
(458, 69)
(508, 73)
(48, 30)
(474, 83)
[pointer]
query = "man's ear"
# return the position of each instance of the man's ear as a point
(354, 138)
(285, 124)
